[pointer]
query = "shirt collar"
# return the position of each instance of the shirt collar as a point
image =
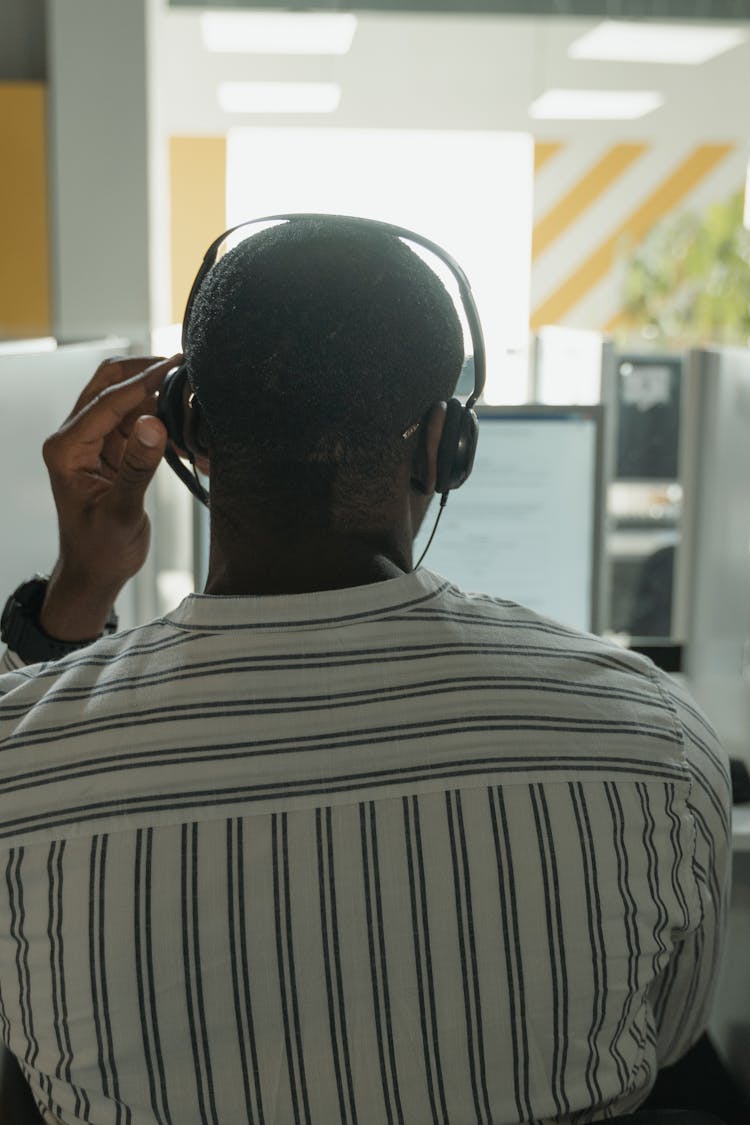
(323, 608)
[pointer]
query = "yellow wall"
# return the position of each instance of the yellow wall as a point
(24, 227)
(198, 207)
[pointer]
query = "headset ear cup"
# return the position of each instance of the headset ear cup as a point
(457, 447)
(170, 407)
(448, 444)
(467, 448)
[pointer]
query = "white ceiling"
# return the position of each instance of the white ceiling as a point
(452, 72)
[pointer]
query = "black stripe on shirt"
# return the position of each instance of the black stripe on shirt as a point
(652, 875)
(98, 970)
(677, 855)
(428, 951)
(243, 1008)
(124, 1113)
(193, 982)
(328, 660)
(332, 965)
(291, 963)
(285, 957)
(346, 783)
(369, 737)
(632, 939)
(337, 964)
(52, 925)
(277, 705)
(596, 937)
(555, 944)
(421, 939)
(96, 1005)
(517, 1016)
(380, 1000)
(465, 924)
(386, 994)
(17, 933)
(145, 977)
(62, 1032)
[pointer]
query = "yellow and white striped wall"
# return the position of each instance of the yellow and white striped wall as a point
(594, 201)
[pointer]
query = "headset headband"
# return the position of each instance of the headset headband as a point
(214, 252)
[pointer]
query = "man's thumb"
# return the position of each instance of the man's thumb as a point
(140, 461)
(150, 434)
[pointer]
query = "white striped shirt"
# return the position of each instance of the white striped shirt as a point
(391, 855)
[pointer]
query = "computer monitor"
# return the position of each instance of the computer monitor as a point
(527, 525)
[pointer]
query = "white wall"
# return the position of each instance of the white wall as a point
(99, 168)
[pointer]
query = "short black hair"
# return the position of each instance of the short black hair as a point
(312, 346)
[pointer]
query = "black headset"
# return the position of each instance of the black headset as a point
(458, 443)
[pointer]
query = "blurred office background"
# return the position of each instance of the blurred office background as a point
(589, 173)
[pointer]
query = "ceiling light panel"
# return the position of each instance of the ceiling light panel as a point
(595, 105)
(623, 41)
(279, 97)
(278, 33)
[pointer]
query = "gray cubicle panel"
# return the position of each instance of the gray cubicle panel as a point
(39, 385)
(645, 394)
(713, 571)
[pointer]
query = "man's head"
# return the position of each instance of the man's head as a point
(312, 348)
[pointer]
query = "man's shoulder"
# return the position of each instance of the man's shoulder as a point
(582, 669)
(538, 630)
(22, 686)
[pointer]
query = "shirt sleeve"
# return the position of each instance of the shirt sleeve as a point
(13, 671)
(683, 992)
(9, 661)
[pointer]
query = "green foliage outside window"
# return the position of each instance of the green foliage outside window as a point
(688, 283)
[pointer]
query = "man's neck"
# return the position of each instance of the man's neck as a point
(265, 565)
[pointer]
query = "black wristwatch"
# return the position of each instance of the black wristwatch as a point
(20, 629)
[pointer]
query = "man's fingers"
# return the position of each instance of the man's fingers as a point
(78, 443)
(109, 372)
(140, 460)
(114, 444)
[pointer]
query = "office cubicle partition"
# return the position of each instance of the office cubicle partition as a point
(39, 385)
(712, 580)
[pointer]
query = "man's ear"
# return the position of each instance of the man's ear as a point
(424, 464)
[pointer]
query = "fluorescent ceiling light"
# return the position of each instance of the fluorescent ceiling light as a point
(279, 97)
(278, 33)
(590, 105)
(622, 41)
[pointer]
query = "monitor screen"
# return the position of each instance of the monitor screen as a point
(525, 525)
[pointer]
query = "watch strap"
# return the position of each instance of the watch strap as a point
(21, 632)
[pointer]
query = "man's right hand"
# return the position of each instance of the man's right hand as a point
(100, 463)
